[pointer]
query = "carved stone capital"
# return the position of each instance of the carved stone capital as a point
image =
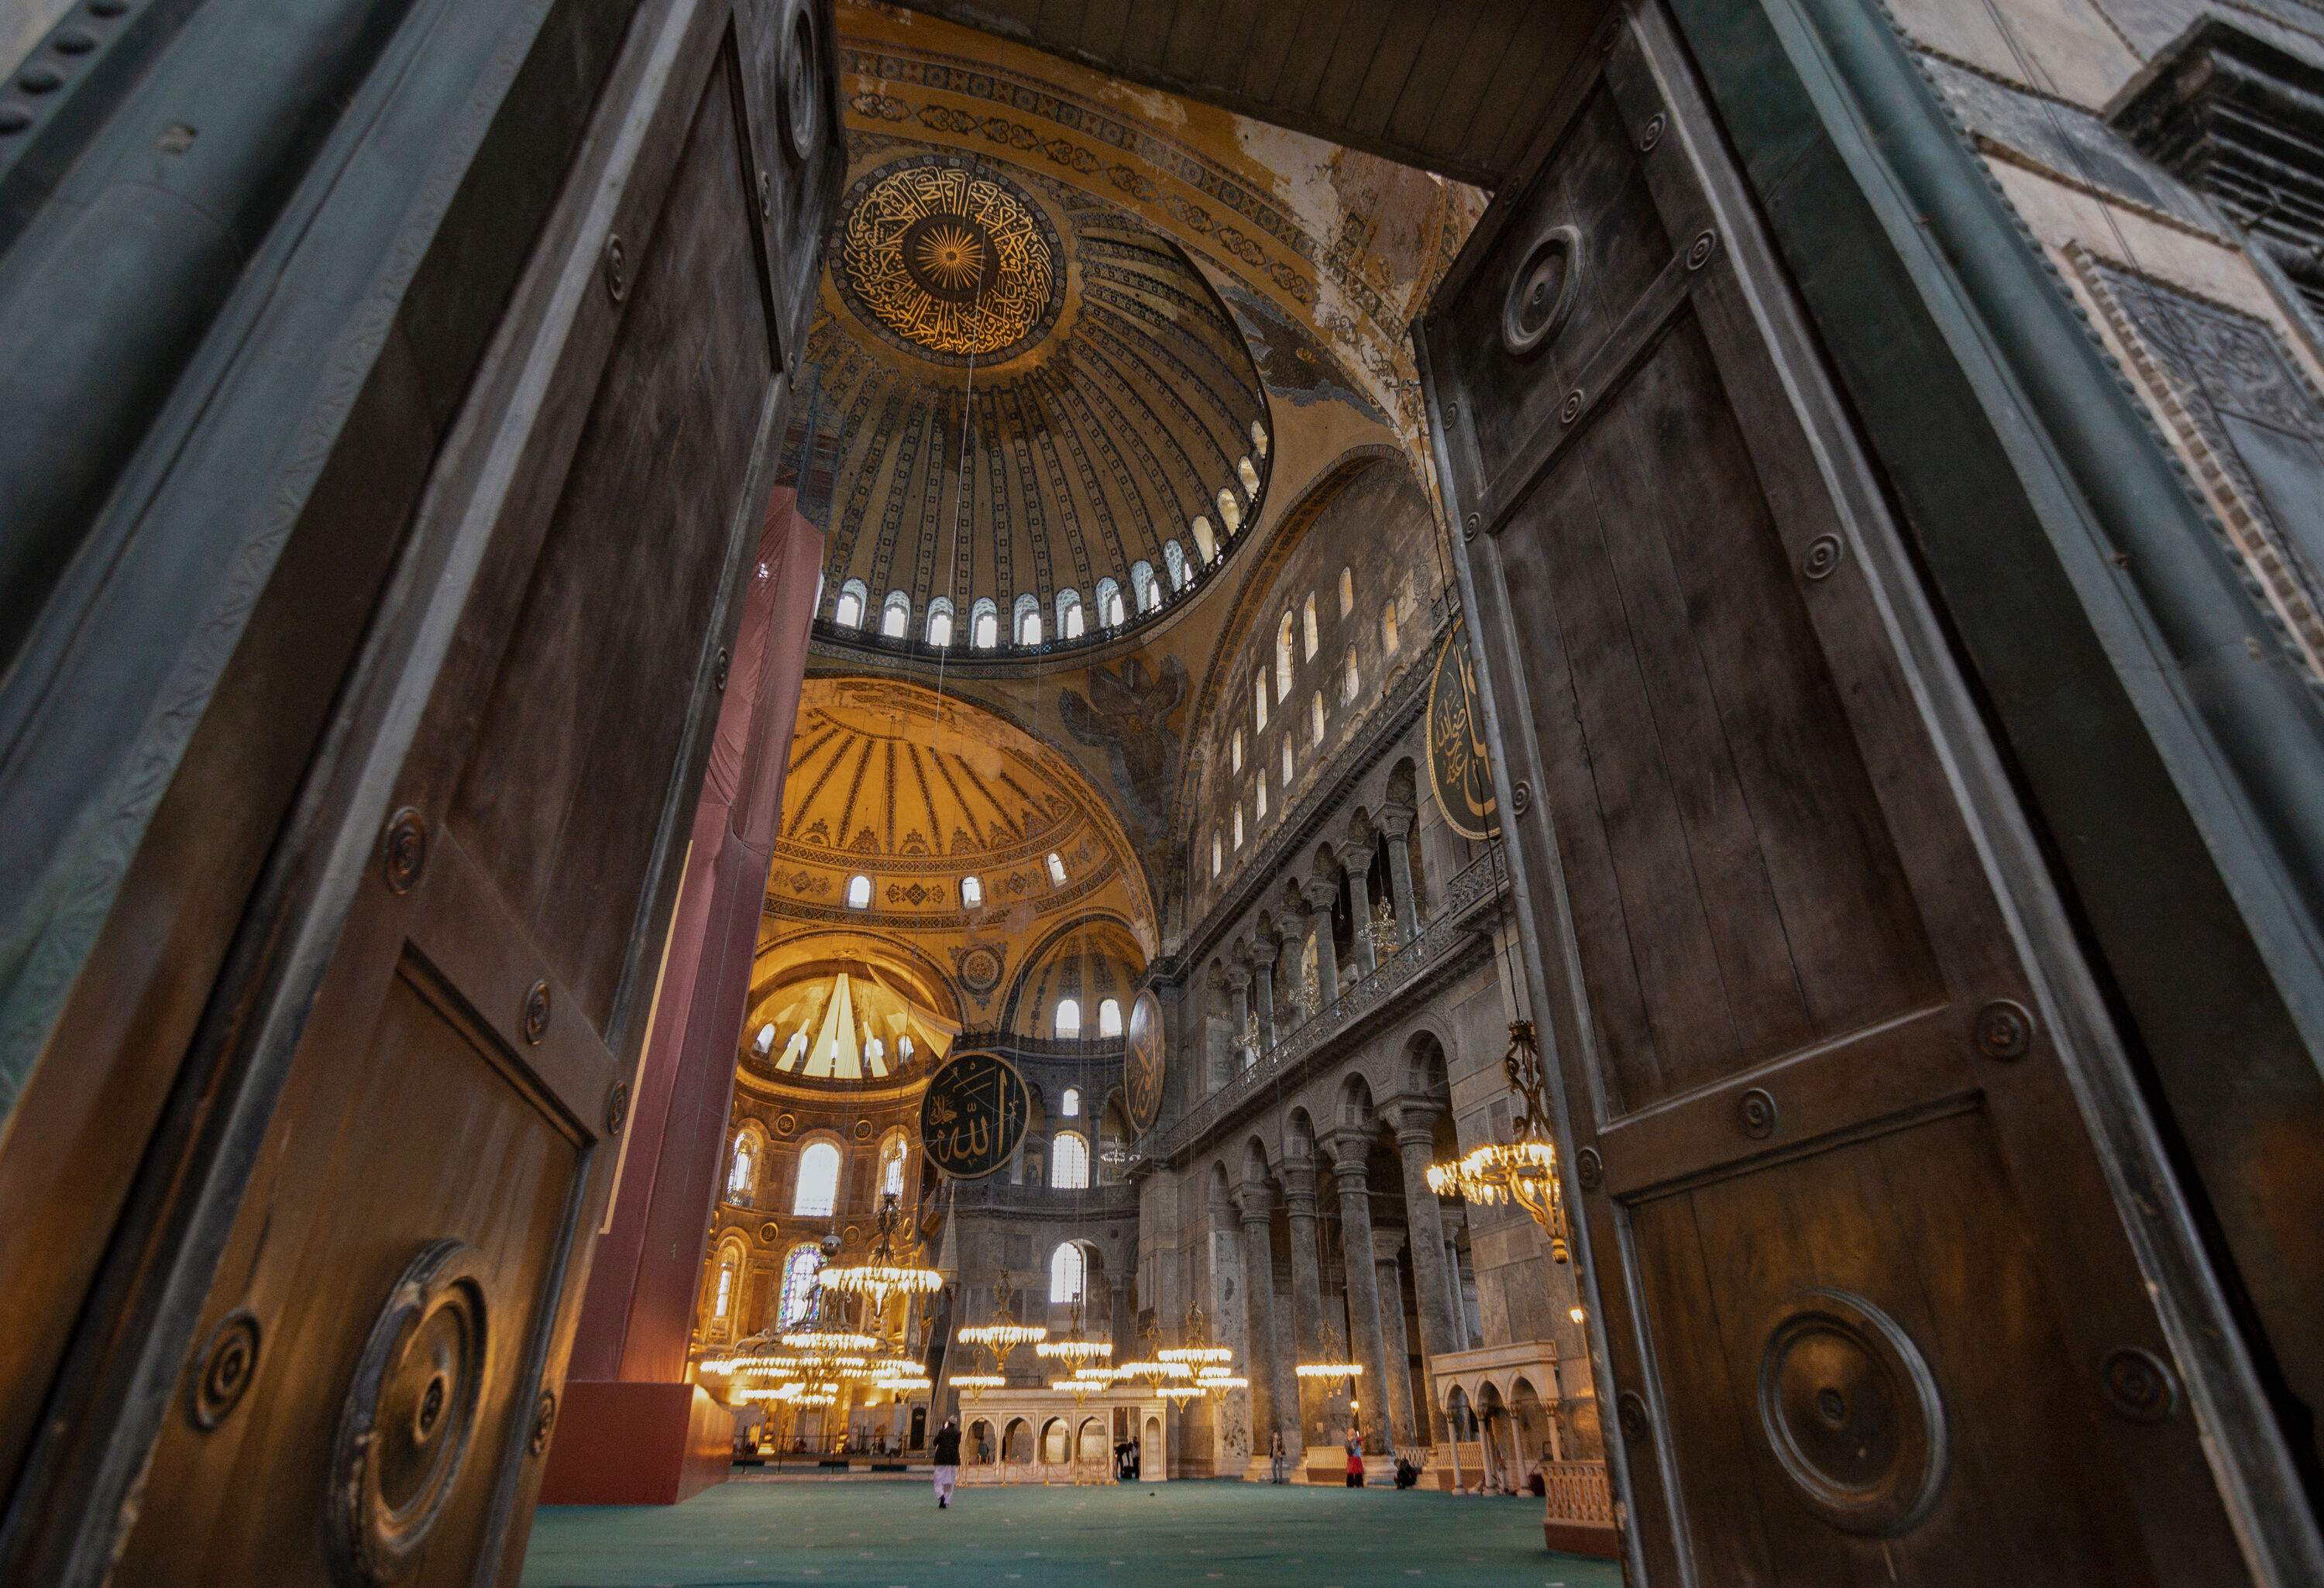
(1351, 1150)
(1256, 1203)
(1320, 892)
(1388, 1244)
(1394, 821)
(1298, 1178)
(1238, 978)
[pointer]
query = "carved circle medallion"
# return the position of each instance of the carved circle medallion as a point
(229, 1361)
(1852, 1410)
(949, 261)
(2139, 1384)
(2003, 1030)
(1541, 291)
(409, 1415)
(802, 110)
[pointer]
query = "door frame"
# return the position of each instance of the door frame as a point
(1822, 109)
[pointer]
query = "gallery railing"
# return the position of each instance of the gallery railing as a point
(1445, 938)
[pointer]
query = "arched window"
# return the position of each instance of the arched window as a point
(904, 1048)
(1205, 541)
(1238, 824)
(1347, 591)
(1249, 474)
(725, 1297)
(940, 621)
(1069, 1106)
(1218, 857)
(1109, 605)
(1056, 869)
(1283, 657)
(972, 892)
(1068, 1274)
(848, 613)
(1230, 509)
(743, 1172)
(859, 892)
(1026, 625)
(1258, 438)
(1143, 591)
(1389, 641)
(1069, 1162)
(896, 614)
(1235, 751)
(1286, 761)
(1315, 717)
(1350, 680)
(799, 1269)
(1109, 1019)
(1310, 639)
(818, 1181)
(1262, 796)
(894, 1150)
(766, 1040)
(984, 624)
(793, 1050)
(1173, 561)
(1069, 615)
(1258, 698)
(1068, 1021)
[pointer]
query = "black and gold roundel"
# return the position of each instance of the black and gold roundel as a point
(1143, 1063)
(1459, 768)
(973, 1115)
(949, 261)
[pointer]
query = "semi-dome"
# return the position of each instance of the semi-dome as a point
(1042, 425)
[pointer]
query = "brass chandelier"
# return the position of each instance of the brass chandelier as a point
(883, 1272)
(1524, 1169)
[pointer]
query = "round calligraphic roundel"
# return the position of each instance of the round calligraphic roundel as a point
(1460, 768)
(973, 1115)
(1141, 1063)
(949, 260)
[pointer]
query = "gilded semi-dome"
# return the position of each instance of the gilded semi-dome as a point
(1040, 425)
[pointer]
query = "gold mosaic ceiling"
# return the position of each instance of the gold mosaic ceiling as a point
(1020, 394)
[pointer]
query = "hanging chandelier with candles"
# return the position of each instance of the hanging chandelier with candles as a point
(1523, 1170)
(883, 1270)
(1079, 1349)
(1002, 1334)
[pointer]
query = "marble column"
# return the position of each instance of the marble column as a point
(1349, 1149)
(1393, 1342)
(1263, 1353)
(1306, 1279)
(1120, 1326)
(1321, 892)
(1395, 822)
(1234, 1428)
(1416, 1143)
(1465, 1335)
(1262, 977)
(1360, 911)
(1286, 970)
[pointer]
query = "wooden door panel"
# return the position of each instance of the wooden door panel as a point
(579, 712)
(1828, 1128)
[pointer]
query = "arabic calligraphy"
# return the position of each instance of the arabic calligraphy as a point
(1460, 766)
(973, 1115)
(1143, 1063)
(953, 260)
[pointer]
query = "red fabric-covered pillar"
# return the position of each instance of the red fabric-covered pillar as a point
(632, 1428)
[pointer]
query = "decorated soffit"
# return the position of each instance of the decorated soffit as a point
(1347, 247)
(918, 795)
(1025, 395)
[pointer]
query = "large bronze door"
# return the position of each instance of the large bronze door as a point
(1873, 1218)
(337, 1325)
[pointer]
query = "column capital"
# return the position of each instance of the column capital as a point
(1299, 1178)
(1388, 1244)
(1238, 979)
(1394, 820)
(1319, 892)
(1255, 1204)
(1414, 1120)
(1351, 1149)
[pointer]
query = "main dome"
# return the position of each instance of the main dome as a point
(1029, 423)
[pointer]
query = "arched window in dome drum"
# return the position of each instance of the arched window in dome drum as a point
(1206, 538)
(859, 892)
(1109, 1018)
(984, 624)
(1283, 657)
(1056, 869)
(1068, 1021)
(1110, 611)
(765, 1044)
(939, 629)
(972, 892)
(1258, 700)
(1069, 615)
(1286, 762)
(848, 611)
(817, 1192)
(1315, 717)
(1027, 620)
(1238, 824)
(1311, 640)
(1262, 796)
(1218, 857)
(1143, 592)
(896, 616)
(1230, 509)
(1174, 559)
(1350, 680)
(1249, 474)
(1258, 438)
(1069, 1162)
(1235, 757)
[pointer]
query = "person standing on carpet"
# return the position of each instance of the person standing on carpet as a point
(947, 1461)
(1355, 1457)
(1275, 1458)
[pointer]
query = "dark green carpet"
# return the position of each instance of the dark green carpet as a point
(891, 1535)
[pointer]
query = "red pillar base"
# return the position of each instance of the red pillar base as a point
(623, 1443)
(1598, 1540)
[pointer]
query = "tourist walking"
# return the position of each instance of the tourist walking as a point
(1275, 1458)
(947, 1459)
(1355, 1457)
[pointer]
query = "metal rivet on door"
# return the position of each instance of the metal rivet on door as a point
(617, 1108)
(617, 283)
(403, 850)
(1571, 408)
(1630, 1409)
(766, 197)
(536, 1014)
(1653, 134)
(718, 672)
(1591, 1168)
(1521, 798)
(1820, 558)
(1758, 1113)
(544, 1421)
(1699, 252)
(2003, 1030)
(2139, 1384)
(1469, 528)
(228, 1364)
